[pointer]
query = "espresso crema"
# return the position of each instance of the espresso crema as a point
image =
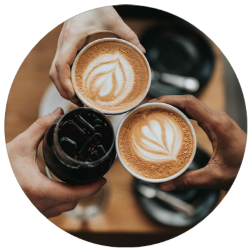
(111, 76)
(155, 143)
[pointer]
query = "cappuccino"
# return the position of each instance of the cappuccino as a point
(155, 142)
(111, 75)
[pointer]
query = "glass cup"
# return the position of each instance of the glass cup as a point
(167, 107)
(88, 138)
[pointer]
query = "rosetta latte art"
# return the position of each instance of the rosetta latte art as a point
(158, 139)
(109, 79)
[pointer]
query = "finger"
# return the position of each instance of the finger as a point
(69, 193)
(57, 210)
(191, 106)
(54, 78)
(63, 62)
(64, 77)
(35, 132)
(122, 31)
(195, 179)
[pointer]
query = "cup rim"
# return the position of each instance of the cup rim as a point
(169, 107)
(106, 112)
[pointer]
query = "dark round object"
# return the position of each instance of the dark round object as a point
(204, 200)
(79, 147)
(178, 49)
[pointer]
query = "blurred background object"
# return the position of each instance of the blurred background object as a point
(130, 219)
(203, 201)
(183, 37)
(181, 50)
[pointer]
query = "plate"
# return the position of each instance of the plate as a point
(204, 200)
(179, 49)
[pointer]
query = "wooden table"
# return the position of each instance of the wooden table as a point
(123, 214)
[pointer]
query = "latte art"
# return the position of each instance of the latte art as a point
(110, 76)
(157, 141)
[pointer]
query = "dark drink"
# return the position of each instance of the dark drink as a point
(79, 147)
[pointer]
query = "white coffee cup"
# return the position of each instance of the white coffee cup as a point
(91, 105)
(167, 107)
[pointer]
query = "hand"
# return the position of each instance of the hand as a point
(228, 141)
(51, 198)
(72, 38)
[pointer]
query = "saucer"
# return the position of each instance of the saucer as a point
(204, 200)
(179, 49)
(52, 99)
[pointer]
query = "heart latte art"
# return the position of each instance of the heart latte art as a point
(155, 143)
(157, 139)
(111, 76)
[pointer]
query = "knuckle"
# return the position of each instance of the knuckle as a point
(72, 198)
(112, 20)
(52, 75)
(131, 35)
(72, 206)
(58, 64)
(221, 121)
(71, 31)
(161, 98)
(42, 122)
(186, 184)
(190, 99)
(74, 33)
(224, 116)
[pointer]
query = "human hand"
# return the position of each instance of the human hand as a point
(228, 141)
(51, 198)
(72, 38)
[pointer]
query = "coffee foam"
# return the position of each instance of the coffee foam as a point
(155, 143)
(111, 76)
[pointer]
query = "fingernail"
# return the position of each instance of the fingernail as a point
(141, 48)
(169, 186)
(56, 112)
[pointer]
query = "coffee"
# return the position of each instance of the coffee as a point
(155, 143)
(110, 75)
(79, 147)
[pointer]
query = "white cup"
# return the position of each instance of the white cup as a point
(167, 107)
(89, 104)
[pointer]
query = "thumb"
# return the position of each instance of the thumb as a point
(36, 131)
(195, 179)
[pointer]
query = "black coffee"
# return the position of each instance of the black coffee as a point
(79, 147)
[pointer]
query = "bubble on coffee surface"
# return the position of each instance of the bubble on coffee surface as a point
(155, 143)
(84, 136)
(111, 76)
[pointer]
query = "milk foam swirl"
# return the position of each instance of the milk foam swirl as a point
(108, 79)
(157, 139)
